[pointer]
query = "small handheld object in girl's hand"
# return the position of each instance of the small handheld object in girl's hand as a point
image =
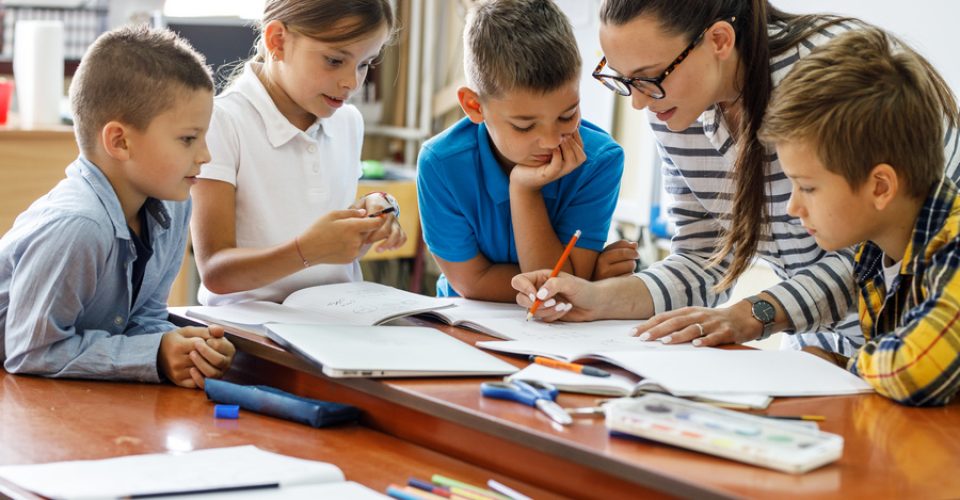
(385, 211)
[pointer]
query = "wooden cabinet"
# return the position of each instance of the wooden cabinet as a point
(31, 163)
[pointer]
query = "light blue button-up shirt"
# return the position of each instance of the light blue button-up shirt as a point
(65, 283)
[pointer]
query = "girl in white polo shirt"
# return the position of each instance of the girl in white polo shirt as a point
(274, 210)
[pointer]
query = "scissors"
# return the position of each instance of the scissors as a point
(537, 394)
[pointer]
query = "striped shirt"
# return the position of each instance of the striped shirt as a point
(912, 353)
(817, 288)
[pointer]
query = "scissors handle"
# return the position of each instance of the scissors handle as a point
(539, 396)
(501, 390)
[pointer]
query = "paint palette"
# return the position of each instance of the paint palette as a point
(756, 440)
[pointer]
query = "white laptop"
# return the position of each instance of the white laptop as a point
(386, 351)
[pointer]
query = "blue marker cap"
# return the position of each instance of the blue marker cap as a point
(226, 411)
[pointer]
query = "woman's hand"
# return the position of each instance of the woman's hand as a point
(703, 326)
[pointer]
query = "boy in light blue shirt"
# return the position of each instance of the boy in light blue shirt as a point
(85, 272)
(504, 189)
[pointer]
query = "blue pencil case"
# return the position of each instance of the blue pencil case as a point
(274, 402)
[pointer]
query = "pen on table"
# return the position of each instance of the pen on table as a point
(409, 493)
(501, 488)
(809, 418)
(219, 489)
(429, 487)
(385, 211)
(476, 490)
(586, 410)
(556, 270)
(574, 367)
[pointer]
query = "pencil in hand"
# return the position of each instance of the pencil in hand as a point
(385, 211)
(556, 270)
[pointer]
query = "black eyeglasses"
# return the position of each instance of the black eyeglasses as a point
(650, 87)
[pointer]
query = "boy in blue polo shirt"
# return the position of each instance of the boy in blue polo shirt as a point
(504, 189)
(85, 272)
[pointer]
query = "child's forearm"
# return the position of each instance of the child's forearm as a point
(538, 246)
(491, 283)
(239, 269)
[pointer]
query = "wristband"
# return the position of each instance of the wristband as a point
(296, 241)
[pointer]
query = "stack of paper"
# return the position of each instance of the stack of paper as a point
(266, 474)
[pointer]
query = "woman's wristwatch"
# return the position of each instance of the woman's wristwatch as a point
(764, 312)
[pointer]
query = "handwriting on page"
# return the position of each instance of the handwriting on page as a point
(518, 329)
(360, 303)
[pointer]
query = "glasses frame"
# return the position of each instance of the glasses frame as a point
(631, 83)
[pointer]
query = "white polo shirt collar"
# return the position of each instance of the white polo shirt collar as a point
(279, 130)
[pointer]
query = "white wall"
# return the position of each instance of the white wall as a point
(596, 102)
(929, 26)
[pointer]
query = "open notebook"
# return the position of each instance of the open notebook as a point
(620, 386)
(386, 351)
(199, 474)
(684, 370)
(508, 321)
(358, 303)
(693, 372)
(570, 349)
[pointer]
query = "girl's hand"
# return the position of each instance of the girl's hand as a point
(703, 326)
(566, 158)
(389, 232)
(338, 237)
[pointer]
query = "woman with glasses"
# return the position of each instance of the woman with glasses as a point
(705, 70)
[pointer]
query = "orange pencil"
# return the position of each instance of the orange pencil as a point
(574, 367)
(556, 270)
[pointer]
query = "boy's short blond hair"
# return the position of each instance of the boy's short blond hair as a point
(131, 75)
(518, 44)
(863, 99)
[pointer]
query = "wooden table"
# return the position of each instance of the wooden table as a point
(890, 450)
(44, 420)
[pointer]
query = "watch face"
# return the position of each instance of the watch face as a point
(764, 311)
